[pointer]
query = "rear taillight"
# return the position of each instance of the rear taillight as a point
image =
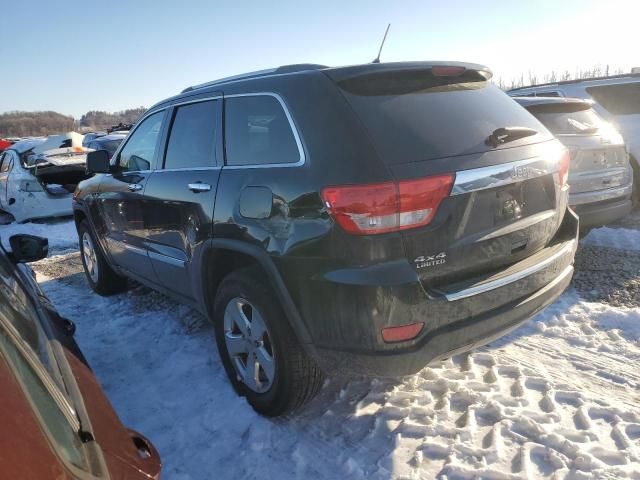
(563, 170)
(386, 207)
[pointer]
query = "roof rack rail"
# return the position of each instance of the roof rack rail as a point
(577, 80)
(298, 67)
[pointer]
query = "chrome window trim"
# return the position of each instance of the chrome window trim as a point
(187, 169)
(514, 277)
(292, 125)
(493, 176)
(197, 100)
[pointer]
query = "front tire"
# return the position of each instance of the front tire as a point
(260, 353)
(101, 277)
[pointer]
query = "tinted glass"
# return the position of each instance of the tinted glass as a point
(257, 132)
(424, 123)
(581, 122)
(140, 150)
(5, 162)
(109, 145)
(192, 139)
(17, 310)
(621, 99)
(67, 443)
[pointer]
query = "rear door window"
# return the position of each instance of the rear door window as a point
(193, 136)
(411, 119)
(258, 132)
(621, 99)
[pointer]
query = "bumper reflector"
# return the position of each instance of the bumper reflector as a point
(402, 333)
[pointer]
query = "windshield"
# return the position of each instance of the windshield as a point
(439, 121)
(583, 122)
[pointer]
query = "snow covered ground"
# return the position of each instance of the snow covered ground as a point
(558, 398)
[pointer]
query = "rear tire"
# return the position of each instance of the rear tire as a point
(249, 321)
(101, 277)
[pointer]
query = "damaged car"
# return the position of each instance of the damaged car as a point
(38, 176)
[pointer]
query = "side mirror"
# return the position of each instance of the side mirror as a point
(98, 162)
(28, 248)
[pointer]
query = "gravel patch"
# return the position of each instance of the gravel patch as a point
(611, 275)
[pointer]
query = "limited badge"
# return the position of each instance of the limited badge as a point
(425, 261)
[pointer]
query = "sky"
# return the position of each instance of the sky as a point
(73, 56)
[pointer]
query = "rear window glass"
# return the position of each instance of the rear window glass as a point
(623, 99)
(582, 122)
(258, 132)
(434, 122)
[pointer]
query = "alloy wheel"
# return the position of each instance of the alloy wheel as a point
(249, 345)
(89, 257)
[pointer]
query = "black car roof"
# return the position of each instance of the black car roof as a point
(336, 73)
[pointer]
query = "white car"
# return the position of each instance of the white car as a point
(617, 100)
(38, 176)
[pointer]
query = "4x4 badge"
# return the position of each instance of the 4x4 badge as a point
(424, 261)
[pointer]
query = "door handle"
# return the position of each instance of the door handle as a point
(199, 187)
(134, 187)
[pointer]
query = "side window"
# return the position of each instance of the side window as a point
(258, 132)
(140, 150)
(17, 310)
(5, 162)
(621, 99)
(193, 136)
(57, 426)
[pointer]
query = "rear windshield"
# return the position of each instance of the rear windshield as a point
(430, 122)
(622, 99)
(582, 122)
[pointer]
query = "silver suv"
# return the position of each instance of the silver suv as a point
(600, 175)
(617, 100)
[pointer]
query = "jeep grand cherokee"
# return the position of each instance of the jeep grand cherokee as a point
(357, 220)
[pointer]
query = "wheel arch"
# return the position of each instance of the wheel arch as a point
(223, 256)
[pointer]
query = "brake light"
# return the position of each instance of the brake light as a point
(386, 207)
(447, 71)
(563, 170)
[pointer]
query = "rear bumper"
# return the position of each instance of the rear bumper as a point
(449, 340)
(602, 213)
(346, 312)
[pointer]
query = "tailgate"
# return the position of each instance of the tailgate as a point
(495, 215)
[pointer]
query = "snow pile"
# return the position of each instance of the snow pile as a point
(558, 398)
(623, 238)
(61, 233)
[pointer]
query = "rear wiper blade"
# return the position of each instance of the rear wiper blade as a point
(508, 134)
